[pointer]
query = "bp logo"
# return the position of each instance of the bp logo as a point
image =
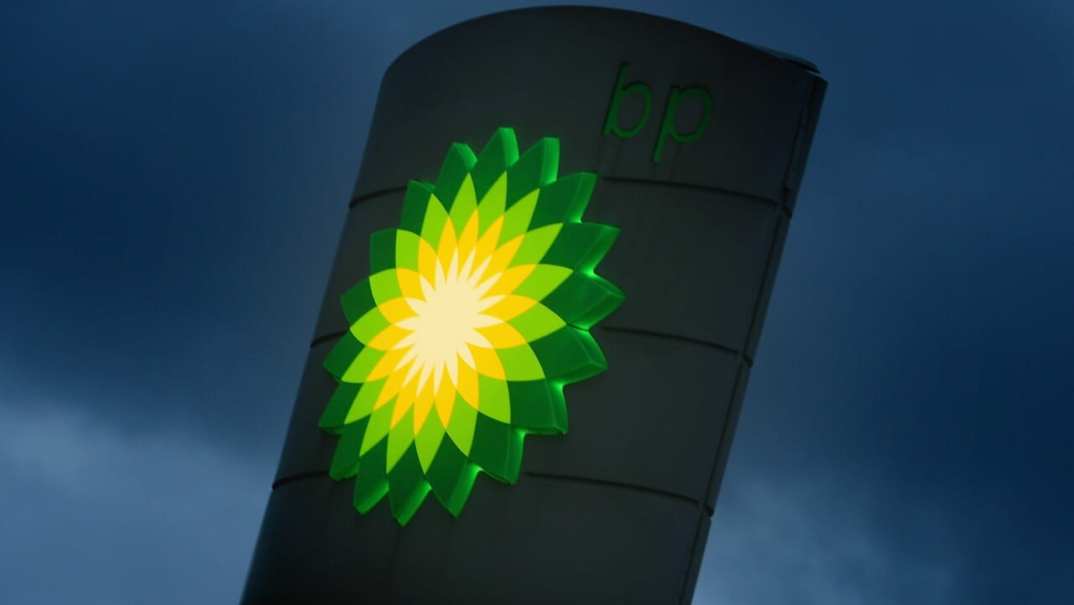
(474, 316)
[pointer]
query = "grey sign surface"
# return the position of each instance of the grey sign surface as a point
(700, 143)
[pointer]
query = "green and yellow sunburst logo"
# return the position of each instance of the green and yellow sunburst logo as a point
(475, 315)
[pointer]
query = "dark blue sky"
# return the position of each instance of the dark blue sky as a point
(174, 180)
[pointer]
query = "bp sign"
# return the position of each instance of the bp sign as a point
(472, 309)
(475, 314)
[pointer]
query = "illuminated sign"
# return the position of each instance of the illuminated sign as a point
(474, 316)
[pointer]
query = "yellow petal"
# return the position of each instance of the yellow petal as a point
(510, 279)
(445, 401)
(448, 244)
(468, 237)
(486, 245)
(502, 257)
(501, 336)
(423, 404)
(410, 283)
(468, 385)
(396, 310)
(403, 402)
(509, 307)
(386, 365)
(390, 390)
(487, 363)
(388, 337)
(427, 260)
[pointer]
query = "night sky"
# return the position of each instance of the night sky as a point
(174, 180)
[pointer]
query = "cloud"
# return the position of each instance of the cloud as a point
(96, 515)
(815, 538)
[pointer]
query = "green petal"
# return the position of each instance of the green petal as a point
(535, 244)
(335, 415)
(457, 164)
(536, 322)
(564, 200)
(342, 355)
(363, 364)
(538, 407)
(500, 152)
(520, 363)
(492, 204)
(461, 425)
(400, 438)
(517, 218)
(407, 487)
(494, 399)
(371, 483)
(581, 245)
(363, 403)
(415, 201)
(433, 225)
(382, 250)
(369, 325)
(542, 281)
(464, 205)
(357, 301)
(385, 286)
(346, 457)
(536, 168)
(497, 449)
(583, 300)
(428, 440)
(570, 355)
(377, 430)
(406, 249)
(451, 477)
